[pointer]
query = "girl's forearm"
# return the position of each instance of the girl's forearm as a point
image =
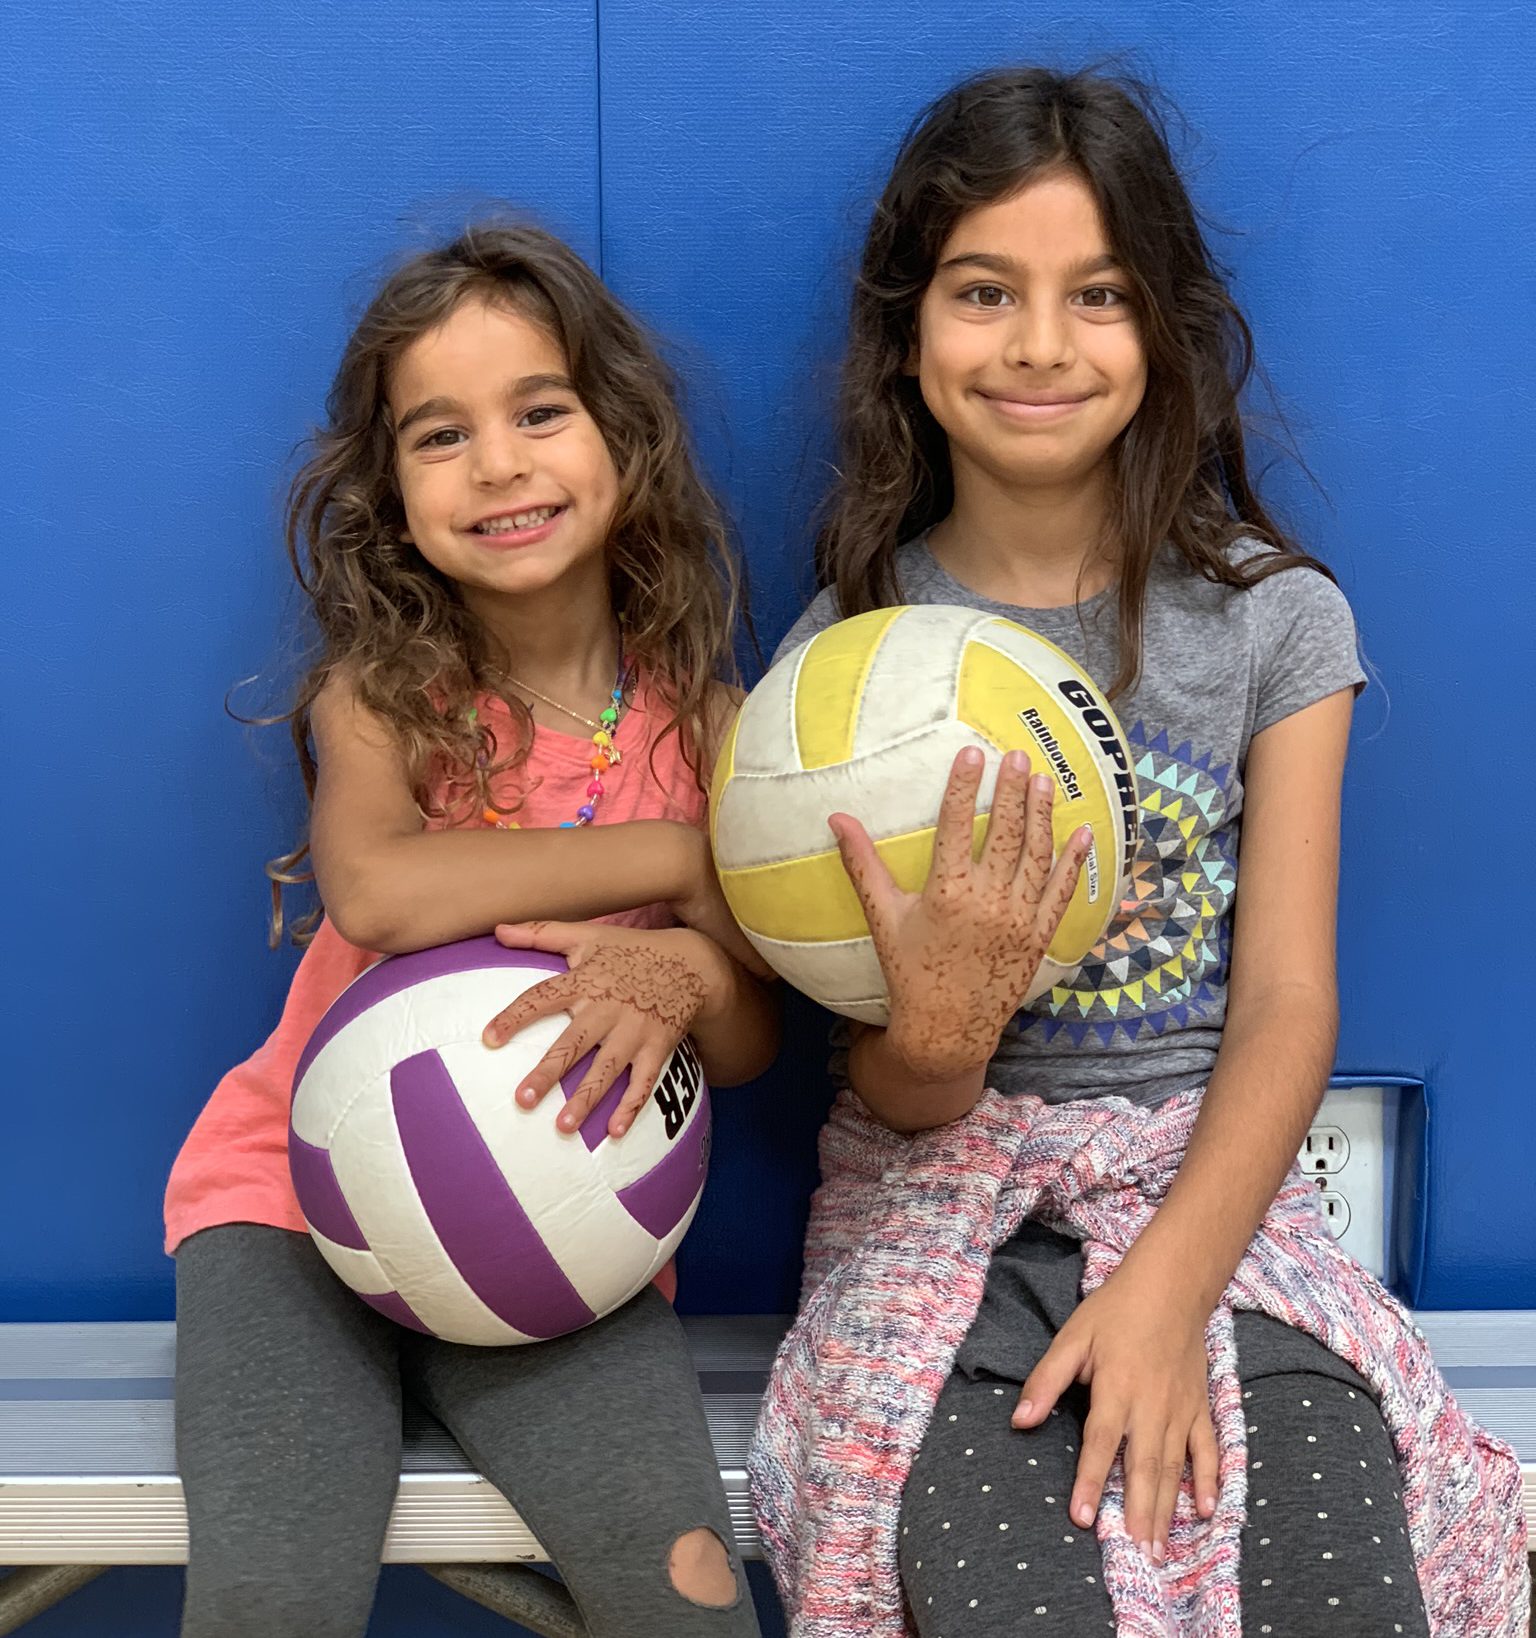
(1270, 1074)
(430, 887)
(903, 1096)
(737, 1034)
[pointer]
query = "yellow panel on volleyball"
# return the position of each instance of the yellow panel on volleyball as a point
(810, 900)
(995, 693)
(830, 688)
(724, 767)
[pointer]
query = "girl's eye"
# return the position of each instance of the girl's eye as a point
(986, 295)
(543, 415)
(1102, 296)
(443, 438)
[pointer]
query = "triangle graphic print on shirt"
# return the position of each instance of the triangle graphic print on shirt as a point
(1170, 944)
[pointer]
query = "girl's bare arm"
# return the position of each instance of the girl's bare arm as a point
(390, 884)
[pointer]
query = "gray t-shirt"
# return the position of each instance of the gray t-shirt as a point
(1142, 1016)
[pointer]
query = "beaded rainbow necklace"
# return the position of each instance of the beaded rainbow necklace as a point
(605, 754)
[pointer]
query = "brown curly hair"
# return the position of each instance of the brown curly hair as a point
(1180, 467)
(398, 629)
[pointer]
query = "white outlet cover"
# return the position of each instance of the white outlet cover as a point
(1366, 1115)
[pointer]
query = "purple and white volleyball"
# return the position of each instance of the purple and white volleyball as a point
(442, 1201)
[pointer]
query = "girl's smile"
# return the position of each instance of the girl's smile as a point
(527, 527)
(1033, 409)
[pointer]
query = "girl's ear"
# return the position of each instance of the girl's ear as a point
(909, 364)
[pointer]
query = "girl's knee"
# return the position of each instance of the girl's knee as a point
(701, 1569)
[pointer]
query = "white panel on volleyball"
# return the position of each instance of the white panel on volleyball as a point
(645, 1146)
(770, 708)
(358, 1269)
(781, 816)
(914, 676)
(844, 975)
(398, 1027)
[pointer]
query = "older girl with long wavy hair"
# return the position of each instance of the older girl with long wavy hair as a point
(1077, 1352)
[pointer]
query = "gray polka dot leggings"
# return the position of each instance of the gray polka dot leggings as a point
(988, 1551)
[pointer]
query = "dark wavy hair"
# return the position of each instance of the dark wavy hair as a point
(397, 628)
(1180, 467)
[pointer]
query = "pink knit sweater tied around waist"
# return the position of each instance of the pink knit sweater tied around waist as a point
(901, 1232)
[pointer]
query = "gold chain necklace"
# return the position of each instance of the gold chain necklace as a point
(565, 710)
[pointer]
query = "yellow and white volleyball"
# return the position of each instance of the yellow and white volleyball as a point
(867, 719)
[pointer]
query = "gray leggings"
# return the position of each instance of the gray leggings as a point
(288, 1405)
(989, 1552)
(987, 1549)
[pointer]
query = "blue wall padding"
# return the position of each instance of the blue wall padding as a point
(196, 204)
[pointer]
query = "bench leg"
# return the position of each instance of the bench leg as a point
(33, 1588)
(522, 1595)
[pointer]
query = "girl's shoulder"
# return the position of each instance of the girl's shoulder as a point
(1283, 595)
(1290, 632)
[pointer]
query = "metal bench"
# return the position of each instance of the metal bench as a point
(88, 1472)
(88, 1476)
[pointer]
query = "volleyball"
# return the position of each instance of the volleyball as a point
(443, 1202)
(866, 719)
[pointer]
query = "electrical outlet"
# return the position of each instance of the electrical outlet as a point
(1336, 1211)
(1349, 1153)
(1326, 1150)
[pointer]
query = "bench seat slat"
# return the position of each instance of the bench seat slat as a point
(87, 1468)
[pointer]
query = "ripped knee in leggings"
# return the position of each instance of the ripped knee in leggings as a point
(700, 1568)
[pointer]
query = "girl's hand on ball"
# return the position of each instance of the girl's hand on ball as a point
(959, 957)
(631, 995)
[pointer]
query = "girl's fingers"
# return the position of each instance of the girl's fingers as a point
(642, 1082)
(550, 996)
(1058, 1368)
(1143, 1479)
(554, 937)
(955, 830)
(1169, 1481)
(866, 870)
(1205, 1463)
(605, 1070)
(1035, 857)
(1008, 822)
(1102, 1433)
(1061, 885)
(547, 1073)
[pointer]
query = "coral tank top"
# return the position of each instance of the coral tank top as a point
(233, 1167)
